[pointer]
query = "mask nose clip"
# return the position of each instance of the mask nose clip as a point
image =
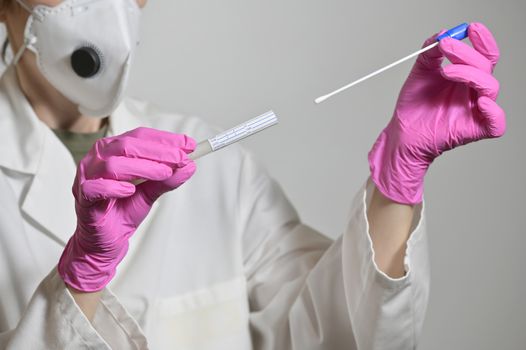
(86, 62)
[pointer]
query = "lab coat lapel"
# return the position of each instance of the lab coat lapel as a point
(29, 147)
(49, 200)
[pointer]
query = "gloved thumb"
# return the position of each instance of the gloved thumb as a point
(433, 58)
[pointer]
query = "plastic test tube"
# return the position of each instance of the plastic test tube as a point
(234, 134)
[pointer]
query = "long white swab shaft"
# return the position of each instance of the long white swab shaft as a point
(325, 97)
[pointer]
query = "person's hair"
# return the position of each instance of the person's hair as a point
(5, 4)
(4, 50)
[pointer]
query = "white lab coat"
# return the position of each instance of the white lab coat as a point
(221, 263)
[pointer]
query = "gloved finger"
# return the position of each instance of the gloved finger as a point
(151, 190)
(102, 189)
(126, 169)
(184, 142)
(132, 147)
(460, 53)
(180, 175)
(484, 83)
(484, 42)
(433, 58)
(494, 116)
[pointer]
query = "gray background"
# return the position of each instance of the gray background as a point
(230, 60)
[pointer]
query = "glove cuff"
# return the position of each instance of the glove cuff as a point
(396, 174)
(84, 271)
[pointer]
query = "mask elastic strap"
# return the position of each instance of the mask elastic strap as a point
(27, 41)
(29, 9)
(20, 52)
(25, 6)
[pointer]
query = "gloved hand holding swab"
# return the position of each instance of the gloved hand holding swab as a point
(459, 32)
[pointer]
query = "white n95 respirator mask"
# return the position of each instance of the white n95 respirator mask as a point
(84, 48)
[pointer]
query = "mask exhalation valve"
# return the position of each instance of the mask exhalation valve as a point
(86, 62)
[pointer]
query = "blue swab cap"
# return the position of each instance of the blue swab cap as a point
(459, 32)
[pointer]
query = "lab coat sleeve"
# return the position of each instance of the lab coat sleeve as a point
(52, 320)
(308, 292)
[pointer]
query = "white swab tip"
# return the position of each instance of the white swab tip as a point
(320, 99)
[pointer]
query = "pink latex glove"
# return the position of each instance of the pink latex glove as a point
(438, 109)
(110, 208)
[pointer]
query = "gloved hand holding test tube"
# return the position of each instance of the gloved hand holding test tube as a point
(130, 171)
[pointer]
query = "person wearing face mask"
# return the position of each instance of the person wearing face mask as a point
(219, 258)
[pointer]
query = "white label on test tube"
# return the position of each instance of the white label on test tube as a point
(243, 130)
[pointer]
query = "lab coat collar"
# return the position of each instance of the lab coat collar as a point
(126, 117)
